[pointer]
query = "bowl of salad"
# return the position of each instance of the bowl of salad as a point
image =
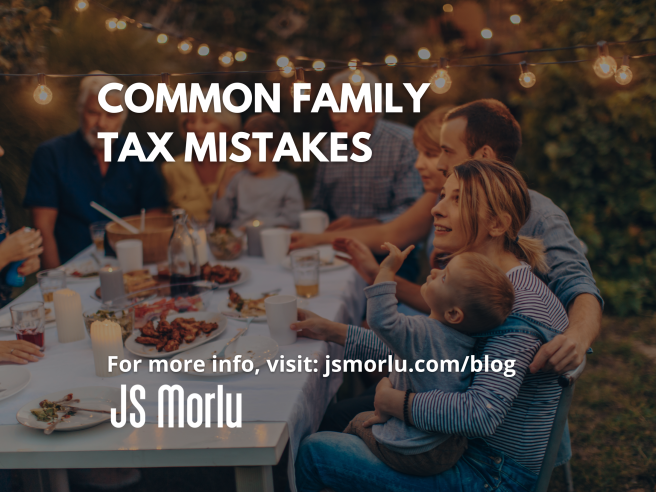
(226, 244)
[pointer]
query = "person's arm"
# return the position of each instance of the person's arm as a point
(409, 228)
(407, 186)
(409, 294)
(22, 244)
(44, 219)
(19, 352)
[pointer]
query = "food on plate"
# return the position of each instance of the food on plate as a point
(220, 273)
(168, 337)
(148, 311)
(138, 280)
(48, 410)
(246, 307)
(124, 318)
(225, 244)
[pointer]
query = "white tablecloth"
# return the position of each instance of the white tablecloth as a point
(300, 399)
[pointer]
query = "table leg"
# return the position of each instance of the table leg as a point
(45, 480)
(254, 478)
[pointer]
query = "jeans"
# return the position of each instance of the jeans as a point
(343, 462)
(338, 415)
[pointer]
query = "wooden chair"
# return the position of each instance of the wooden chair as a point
(567, 381)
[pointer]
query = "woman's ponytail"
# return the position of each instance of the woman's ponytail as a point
(531, 250)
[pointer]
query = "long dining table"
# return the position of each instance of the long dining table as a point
(278, 408)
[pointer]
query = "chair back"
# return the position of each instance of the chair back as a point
(567, 381)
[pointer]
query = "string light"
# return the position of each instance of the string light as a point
(391, 60)
(353, 64)
(226, 59)
(185, 46)
(319, 65)
(121, 24)
(287, 71)
(357, 77)
(526, 79)
(162, 38)
(515, 19)
(299, 78)
(241, 56)
(447, 7)
(440, 82)
(42, 93)
(424, 53)
(110, 24)
(624, 75)
(80, 6)
(486, 33)
(605, 64)
(203, 50)
(282, 61)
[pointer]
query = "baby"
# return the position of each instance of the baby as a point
(471, 295)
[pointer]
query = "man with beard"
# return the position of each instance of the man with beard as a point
(70, 171)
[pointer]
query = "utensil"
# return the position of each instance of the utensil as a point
(271, 292)
(51, 426)
(221, 354)
(78, 409)
(114, 217)
(143, 219)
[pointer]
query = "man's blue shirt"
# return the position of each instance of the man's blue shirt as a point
(66, 175)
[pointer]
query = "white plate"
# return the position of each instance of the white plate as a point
(91, 397)
(337, 264)
(13, 379)
(245, 275)
(256, 348)
(151, 352)
(223, 308)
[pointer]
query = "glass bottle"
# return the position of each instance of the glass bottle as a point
(183, 260)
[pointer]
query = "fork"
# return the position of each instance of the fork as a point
(271, 292)
(221, 354)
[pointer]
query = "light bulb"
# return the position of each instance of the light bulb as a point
(121, 24)
(424, 53)
(110, 24)
(486, 33)
(302, 91)
(185, 47)
(226, 59)
(287, 71)
(447, 7)
(515, 19)
(319, 65)
(353, 64)
(605, 66)
(80, 6)
(203, 50)
(241, 56)
(623, 75)
(440, 81)
(391, 60)
(527, 79)
(357, 77)
(282, 61)
(162, 38)
(42, 94)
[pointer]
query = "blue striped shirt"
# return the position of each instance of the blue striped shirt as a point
(512, 414)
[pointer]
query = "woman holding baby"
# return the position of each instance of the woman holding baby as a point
(506, 420)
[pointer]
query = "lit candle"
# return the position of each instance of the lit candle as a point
(68, 316)
(201, 247)
(106, 341)
(111, 283)
(254, 240)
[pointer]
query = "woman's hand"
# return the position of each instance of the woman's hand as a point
(388, 403)
(311, 325)
(30, 265)
(20, 245)
(362, 259)
(380, 416)
(302, 240)
(19, 352)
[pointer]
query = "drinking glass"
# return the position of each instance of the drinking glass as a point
(98, 235)
(29, 319)
(305, 267)
(49, 282)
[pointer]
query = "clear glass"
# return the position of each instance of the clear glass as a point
(49, 282)
(305, 267)
(183, 259)
(29, 319)
(97, 230)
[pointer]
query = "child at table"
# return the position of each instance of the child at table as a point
(469, 296)
(261, 191)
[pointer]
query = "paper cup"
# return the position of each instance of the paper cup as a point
(130, 254)
(275, 244)
(314, 221)
(281, 312)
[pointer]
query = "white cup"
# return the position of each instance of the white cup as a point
(314, 221)
(130, 254)
(326, 254)
(275, 244)
(281, 312)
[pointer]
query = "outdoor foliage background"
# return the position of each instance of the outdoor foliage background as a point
(588, 143)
